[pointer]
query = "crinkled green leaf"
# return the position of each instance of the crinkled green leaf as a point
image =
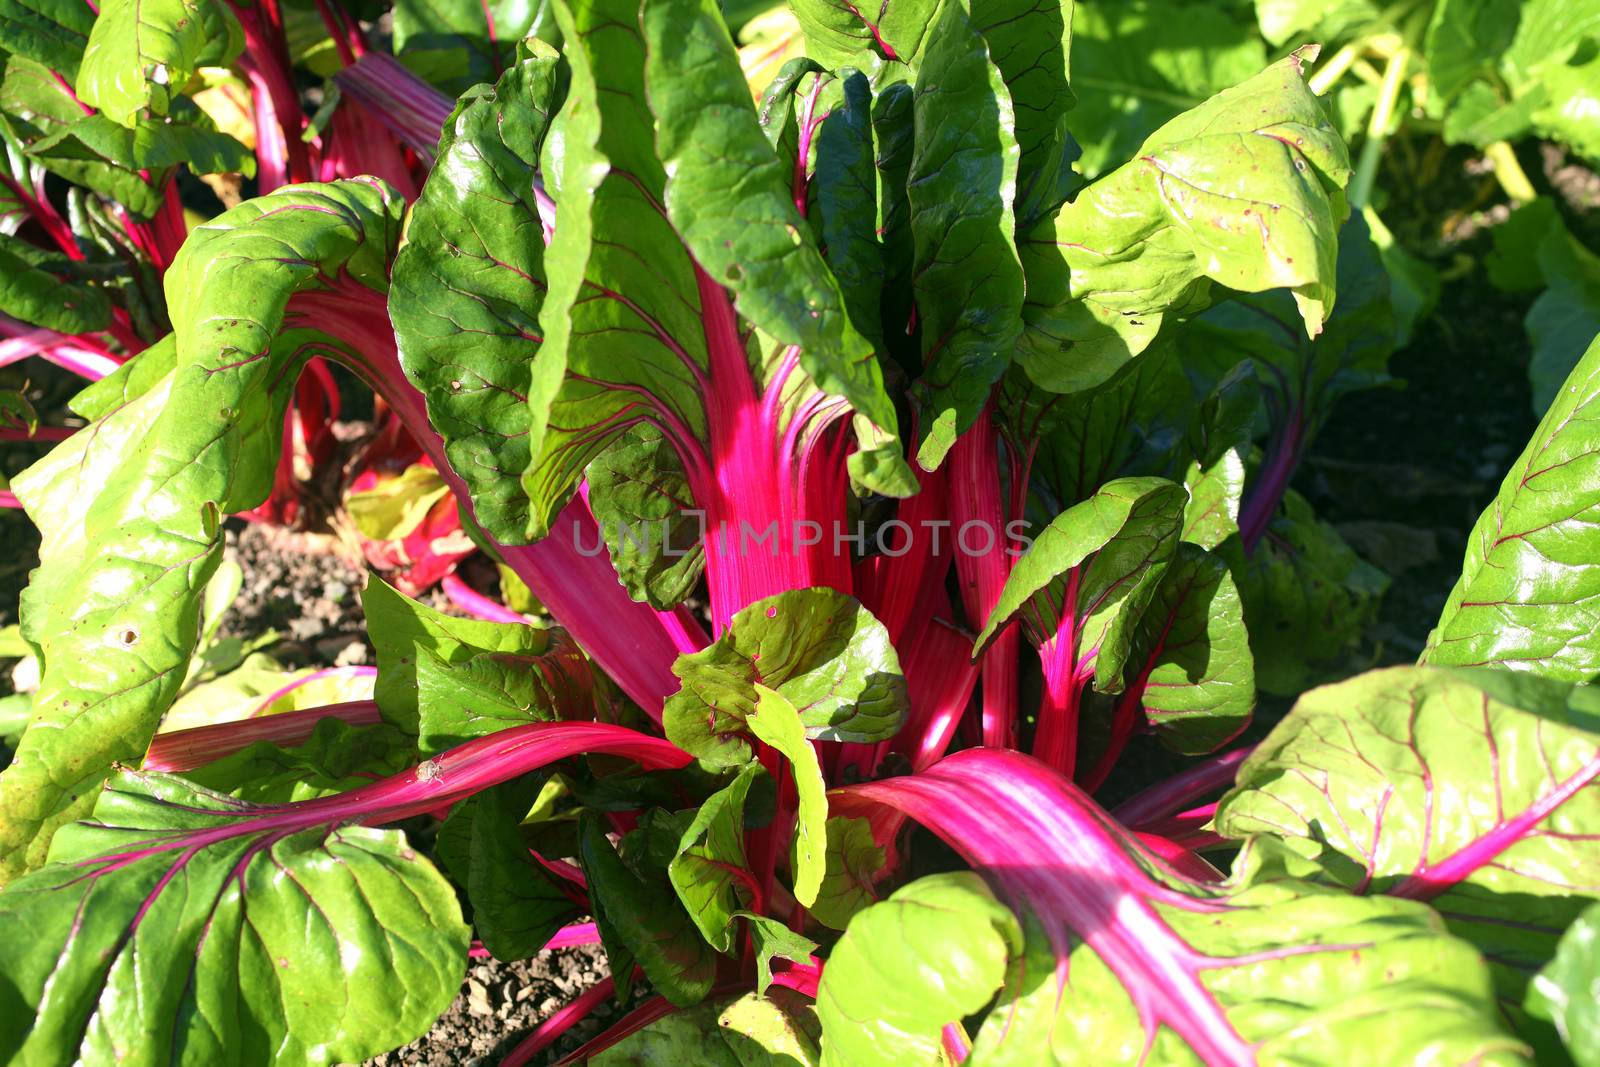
(412, 639)
(37, 287)
(1308, 599)
(1136, 65)
(1471, 790)
(640, 496)
(1107, 555)
(709, 853)
(853, 860)
(47, 32)
(142, 53)
(1530, 585)
(516, 904)
(1245, 191)
(117, 624)
(932, 953)
(1031, 42)
(143, 372)
(468, 285)
(1567, 990)
(336, 757)
(325, 945)
(776, 722)
(963, 178)
(639, 915)
(820, 649)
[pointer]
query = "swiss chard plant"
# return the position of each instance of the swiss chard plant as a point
(875, 479)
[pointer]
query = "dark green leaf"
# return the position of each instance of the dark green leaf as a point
(709, 853)
(47, 32)
(33, 288)
(640, 496)
(963, 178)
(468, 286)
(1565, 319)
(641, 918)
(516, 905)
(460, 699)
(335, 758)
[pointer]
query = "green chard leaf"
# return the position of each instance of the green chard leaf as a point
(1565, 992)
(932, 953)
(840, 33)
(819, 649)
(516, 904)
(963, 178)
(37, 108)
(1471, 790)
(639, 915)
(436, 671)
(777, 723)
(845, 184)
(1244, 190)
(46, 32)
(469, 282)
(643, 264)
(37, 287)
(1565, 318)
(461, 45)
(640, 496)
(142, 53)
(1190, 657)
(1106, 555)
(1530, 587)
(853, 861)
(711, 850)
(118, 624)
(125, 950)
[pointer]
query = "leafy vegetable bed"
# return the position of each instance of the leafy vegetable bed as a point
(899, 526)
